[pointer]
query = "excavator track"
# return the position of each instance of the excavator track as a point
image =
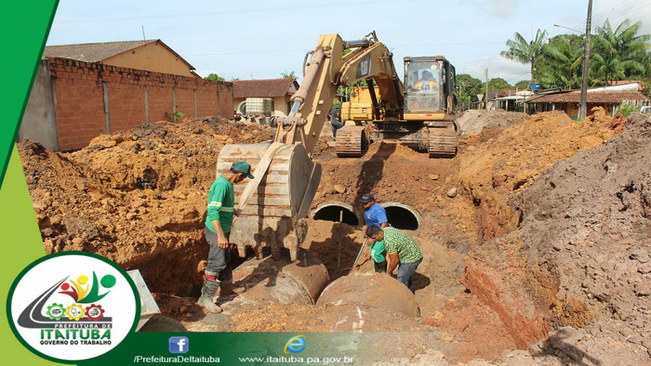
(351, 141)
(442, 142)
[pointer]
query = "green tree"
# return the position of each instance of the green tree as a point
(467, 90)
(561, 62)
(522, 84)
(526, 52)
(619, 53)
(497, 84)
(215, 77)
(288, 75)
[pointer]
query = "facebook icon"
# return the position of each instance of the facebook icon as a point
(179, 344)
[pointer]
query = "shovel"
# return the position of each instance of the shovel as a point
(360, 253)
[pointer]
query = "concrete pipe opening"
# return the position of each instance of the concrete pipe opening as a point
(336, 211)
(402, 216)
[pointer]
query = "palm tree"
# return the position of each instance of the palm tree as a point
(560, 63)
(619, 53)
(288, 74)
(526, 52)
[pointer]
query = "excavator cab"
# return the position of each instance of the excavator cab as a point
(429, 88)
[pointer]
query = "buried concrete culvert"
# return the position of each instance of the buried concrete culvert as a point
(367, 297)
(338, 212)
(281, 281)
(402, 216)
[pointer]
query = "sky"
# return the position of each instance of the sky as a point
(255, 39)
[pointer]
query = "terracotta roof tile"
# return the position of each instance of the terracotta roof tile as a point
(264, 88)
(575, 97)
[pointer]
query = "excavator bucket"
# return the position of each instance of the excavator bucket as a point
(272, 216)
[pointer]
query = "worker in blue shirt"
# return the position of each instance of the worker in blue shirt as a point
(374, 214)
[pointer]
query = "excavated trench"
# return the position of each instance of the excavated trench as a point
(138, 198)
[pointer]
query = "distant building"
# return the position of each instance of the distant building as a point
(608, 97)
(276, 91)
(513, 101)
(81, 91)
(151, 55)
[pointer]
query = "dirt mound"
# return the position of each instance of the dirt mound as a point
(580, 254)
(137, 197)
(492, 170)
(474, 121)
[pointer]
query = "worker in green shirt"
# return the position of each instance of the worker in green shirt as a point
(401, 248)
(219, 218)
(377, 254)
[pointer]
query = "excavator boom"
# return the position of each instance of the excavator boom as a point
(273, 205)
(328, 69)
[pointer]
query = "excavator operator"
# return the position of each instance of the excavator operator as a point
(426, 83)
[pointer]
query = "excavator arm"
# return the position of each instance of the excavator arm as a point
(273, 203)
(330, 67)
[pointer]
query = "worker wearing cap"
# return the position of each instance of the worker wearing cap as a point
(374, 214)
(401, 250)
(219, 218)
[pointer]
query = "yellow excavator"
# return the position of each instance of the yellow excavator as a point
(272, 206)
(427, 116)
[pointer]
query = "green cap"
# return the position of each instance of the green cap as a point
(242, 167)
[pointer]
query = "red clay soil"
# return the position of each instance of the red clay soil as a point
(534, 235)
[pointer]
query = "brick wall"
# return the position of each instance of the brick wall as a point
(134, 97)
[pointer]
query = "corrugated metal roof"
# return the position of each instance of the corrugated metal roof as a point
(269, 88)
(98, 52)
(575, 97)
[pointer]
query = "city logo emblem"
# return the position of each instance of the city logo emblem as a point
(179, 344)
(72, 306)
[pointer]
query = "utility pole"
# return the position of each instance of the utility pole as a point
(486, 95)
(583, 109)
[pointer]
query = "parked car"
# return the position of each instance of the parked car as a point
(645, 109)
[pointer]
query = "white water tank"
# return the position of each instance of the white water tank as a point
(259, 106)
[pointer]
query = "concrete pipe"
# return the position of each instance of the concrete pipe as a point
(335, 211)
(402, 216)
(371, 291)
(272, 215)
(281, 281)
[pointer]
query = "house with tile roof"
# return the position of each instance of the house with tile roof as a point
(83, 90)
(569, 101)
(151, 55)
(276, 91)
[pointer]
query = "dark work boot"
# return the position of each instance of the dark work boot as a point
(207, 292)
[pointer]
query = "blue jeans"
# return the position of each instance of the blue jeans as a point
(335, 127)
(405, 271)
(218, 258)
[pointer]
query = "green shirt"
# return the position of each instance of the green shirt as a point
(377, 251)
(221, 201)
(406, 247)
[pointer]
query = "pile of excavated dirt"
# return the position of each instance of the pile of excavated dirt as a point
(136, 197)
(475, 121)
(507, 258)
(580, 255)
(493, 170)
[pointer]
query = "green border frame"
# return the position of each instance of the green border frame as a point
(56, 255)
